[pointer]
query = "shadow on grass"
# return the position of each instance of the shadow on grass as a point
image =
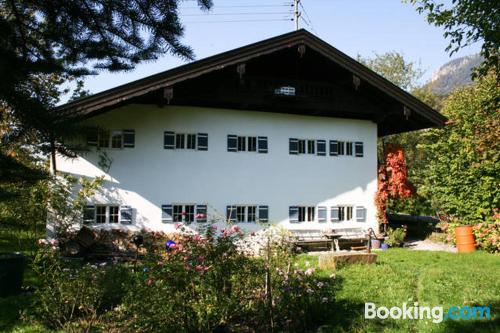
(479, 325)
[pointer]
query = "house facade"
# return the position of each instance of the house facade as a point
(283, 132)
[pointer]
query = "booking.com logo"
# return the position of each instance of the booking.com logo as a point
(436, 313)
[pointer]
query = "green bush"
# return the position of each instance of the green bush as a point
(197, 283)
(396, 237)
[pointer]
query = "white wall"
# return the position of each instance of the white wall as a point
(148, 176)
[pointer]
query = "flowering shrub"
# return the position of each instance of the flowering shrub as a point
(203, 282)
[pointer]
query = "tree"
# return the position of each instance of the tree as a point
(60, 40)
(462, 165)
(394, 68)
(467, 22)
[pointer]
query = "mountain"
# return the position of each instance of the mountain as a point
(454, 74)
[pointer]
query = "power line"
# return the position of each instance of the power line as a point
(241, 13)
(235, 21)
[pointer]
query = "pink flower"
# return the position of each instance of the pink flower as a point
(177, 225)
(309, 271)
(183, 214)
(200, 216)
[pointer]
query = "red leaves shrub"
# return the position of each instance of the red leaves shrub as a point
(392, 180)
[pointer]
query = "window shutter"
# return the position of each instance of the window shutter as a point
(334, 214)
(129, 138)
(89, 214)
(202, 141)
(294, 146)
(201, 213)
(321, 148)
(360, 214)
(322, 214)
(264, 214)
(334, 148)
(92, 137)
(262, 144)
(232, 143)
(293, 214)
(166, 214)
(125, 215)
(231, 213)
(358, 149)
(169, 140)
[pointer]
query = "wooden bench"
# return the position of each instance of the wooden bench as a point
(317, 237)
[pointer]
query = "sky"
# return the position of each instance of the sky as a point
(364, 27)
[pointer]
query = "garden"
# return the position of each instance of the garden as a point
(207, 283)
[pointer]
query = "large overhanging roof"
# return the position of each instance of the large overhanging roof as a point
(393, 105)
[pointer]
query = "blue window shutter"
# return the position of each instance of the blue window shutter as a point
(294, 146)
(125, 214)
(92, 137)
(232, 143)
(321, 214)
(169, 140)
(129, 138)
(262, 144)
(358, 149)
(201, 213)
(360, 214)
(231, 213)
(334, 148)
(334, 214)
(263, 214)
(293, 214)
(89, 214)
(166, 214)
(321, 147)
(202, 141)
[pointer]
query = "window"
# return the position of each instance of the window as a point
(172, 140)
(107, 214)
(100, 214)
(183, 213)
(321, 147)
(301, 213)
(321, 214)
(116, 139)
(345, 213)
(340, 147)
(179, 141)
(191, 141)
(252, 143)
(113, 214)
(111, 139)
(237, 143)
(311, 146)
(341, 213)
(334, 147)
(348, 148)
(241, 143)
(103, 141)
(302, 146)
(251, 217)
(246, 213)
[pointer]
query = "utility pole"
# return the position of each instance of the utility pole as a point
(296, 13)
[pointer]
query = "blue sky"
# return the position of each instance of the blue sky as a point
(355, 27)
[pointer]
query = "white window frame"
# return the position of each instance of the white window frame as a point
(112, 134)
(245, 207)
(183, 211)
(107, 214)
(305, 211)
(343, 213)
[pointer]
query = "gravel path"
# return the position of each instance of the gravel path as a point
(427, 245)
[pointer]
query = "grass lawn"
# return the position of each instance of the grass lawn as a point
(429, 278)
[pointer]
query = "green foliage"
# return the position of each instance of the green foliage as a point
(462, 167)
(467, 22)
(395, 236)
(73, 297)
(395, 68)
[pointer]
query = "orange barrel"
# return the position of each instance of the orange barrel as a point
(465, 239)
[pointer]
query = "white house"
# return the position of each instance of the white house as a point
(283, 131)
